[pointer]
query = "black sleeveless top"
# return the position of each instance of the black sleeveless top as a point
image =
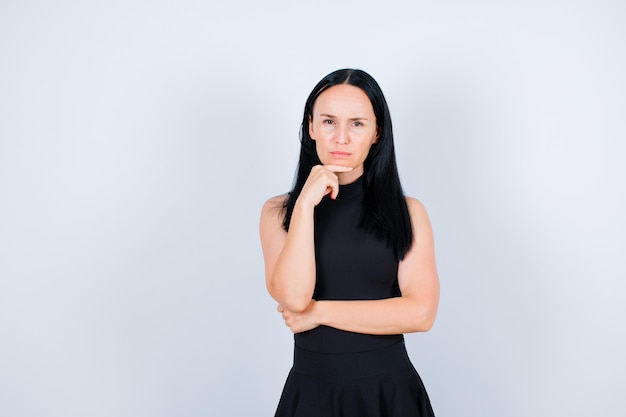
(351, 264)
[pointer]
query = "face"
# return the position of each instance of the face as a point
(343, 127)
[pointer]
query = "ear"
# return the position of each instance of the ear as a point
(311, 134)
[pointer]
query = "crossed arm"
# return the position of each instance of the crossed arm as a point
(290, 278)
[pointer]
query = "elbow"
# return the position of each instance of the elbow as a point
(292, 302)
(427, 325)
(421, 327)
(296, 306)
(422, 322)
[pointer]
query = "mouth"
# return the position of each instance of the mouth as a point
(340, 154)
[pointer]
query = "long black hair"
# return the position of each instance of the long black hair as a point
(385, 213)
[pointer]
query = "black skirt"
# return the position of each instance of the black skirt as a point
(379, 383)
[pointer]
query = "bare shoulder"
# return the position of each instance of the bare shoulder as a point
(417, 211)
(273, 212)
(274, 206)
(419, 219)
(273, 235)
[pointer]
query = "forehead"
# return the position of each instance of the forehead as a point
(343, 99)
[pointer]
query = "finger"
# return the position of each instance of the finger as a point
(334, 191)
(332, 186)
(338, 168)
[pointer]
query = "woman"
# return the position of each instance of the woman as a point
(350, 261)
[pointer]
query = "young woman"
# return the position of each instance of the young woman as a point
(350, 261)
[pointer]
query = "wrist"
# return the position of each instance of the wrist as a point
(318, 312)
(303, 206)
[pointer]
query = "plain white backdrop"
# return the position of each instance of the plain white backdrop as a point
(139, 139)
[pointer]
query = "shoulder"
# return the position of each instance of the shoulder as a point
(274, 205)
(415, 206)
(273, 209)
(271, 223)
(417, 212)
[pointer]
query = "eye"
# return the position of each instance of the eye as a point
(328, 121)
(356, 123)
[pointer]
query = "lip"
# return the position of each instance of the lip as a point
(340, 154)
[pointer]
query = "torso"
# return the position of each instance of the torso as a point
(351, 264)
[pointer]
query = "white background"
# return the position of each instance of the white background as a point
(139, 139)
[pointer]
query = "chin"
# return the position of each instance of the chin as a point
(341, 162)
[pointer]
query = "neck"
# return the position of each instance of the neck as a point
(349, 177)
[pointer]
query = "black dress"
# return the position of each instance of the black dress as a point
(345, 374)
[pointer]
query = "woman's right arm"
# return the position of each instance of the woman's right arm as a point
(290, 257)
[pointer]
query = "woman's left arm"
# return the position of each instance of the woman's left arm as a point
(414, 311)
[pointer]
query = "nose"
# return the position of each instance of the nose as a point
(342, 135)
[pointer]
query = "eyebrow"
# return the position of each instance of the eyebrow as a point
(330, 116)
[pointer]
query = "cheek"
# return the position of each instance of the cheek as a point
(319, 150)
(368, 142)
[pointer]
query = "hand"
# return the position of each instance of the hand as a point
(322, 180)
(300, 322)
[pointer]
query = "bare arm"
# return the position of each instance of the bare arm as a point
(290, 257)
(414, 311)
